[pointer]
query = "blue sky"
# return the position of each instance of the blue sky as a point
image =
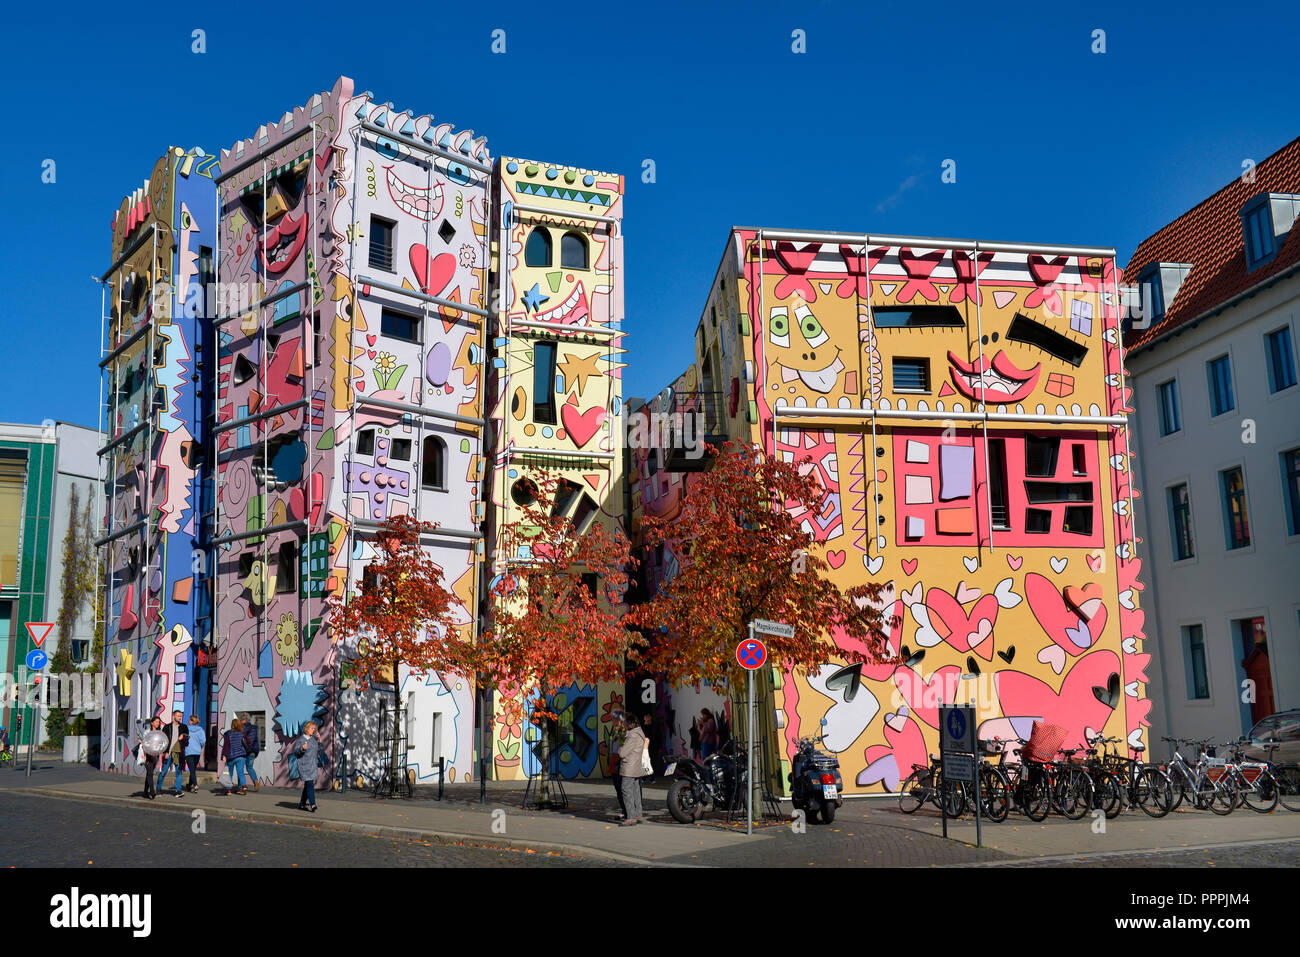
(1052, 142)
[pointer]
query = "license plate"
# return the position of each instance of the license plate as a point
(829, 792)
(669, 770)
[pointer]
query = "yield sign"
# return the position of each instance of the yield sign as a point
(39, 630)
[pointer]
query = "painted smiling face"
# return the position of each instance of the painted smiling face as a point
(422, 202)
(1034, 352)
(802, 347)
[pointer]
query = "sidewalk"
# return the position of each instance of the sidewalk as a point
(865, 832)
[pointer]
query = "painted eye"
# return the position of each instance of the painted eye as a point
(186, 221)
(812, 329)
(778, 328)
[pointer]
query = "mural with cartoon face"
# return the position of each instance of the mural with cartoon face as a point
(1011, 561)
(157, 591)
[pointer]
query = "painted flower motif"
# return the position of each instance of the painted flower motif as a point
(386, 362)
(614, 703)
(468, 255)
(286, 639)
(387, 372)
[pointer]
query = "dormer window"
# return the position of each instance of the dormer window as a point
(1265, 221)
(1160, 283)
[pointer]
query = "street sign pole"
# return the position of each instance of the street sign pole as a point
(749, 783)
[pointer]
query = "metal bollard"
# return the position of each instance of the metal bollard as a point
(442, 775)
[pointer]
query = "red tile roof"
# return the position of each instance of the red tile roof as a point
(1209, 236)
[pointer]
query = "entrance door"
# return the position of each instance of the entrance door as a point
(1254, 643)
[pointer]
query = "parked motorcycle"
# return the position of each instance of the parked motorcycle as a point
(815, 782)
(705, 786)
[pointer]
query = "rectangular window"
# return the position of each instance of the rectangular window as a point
(1281, 361)
(1079, 458)
(1078, 520)
(286, 568)
(1236, 523)
(401, 450)
(1038, 521)
(399, 325)
(366, 442)
(585, 510)
(1180, 522)
(1040, 456)
(382, 236)
(998, 485)
(1153, 294)
(1219, 372)
(1198, 681)
(917, 317)
(544, 383)
(1045, 493)
(432, 464)
(1291, 490)
(1170, 419)
(911, 375)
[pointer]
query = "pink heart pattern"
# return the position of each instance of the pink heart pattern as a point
(1075, 707)
(1061, 622)
(433, 273)
(964, 632)
(909, 566)
(581, 426)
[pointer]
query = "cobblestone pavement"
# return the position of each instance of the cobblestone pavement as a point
(1282, 854)
(57, 832)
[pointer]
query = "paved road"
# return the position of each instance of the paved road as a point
(55, 832)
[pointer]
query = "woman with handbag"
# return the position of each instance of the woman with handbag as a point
(310, 757)
(634, 758)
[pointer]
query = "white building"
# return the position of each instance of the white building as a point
(1214, 373)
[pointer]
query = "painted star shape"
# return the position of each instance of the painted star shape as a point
(125, 672)
(578, 370)
(533, 298)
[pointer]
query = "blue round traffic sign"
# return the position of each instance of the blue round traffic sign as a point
(752, 654)
(957, 725)
(37, 659)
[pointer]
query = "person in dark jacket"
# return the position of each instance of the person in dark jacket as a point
(708, 733)
(178, 737)
(252, 748)
(232, 749)
(194, 750)
(309, 751)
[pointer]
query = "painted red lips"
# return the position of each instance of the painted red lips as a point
(283, 244)
(1001, 381)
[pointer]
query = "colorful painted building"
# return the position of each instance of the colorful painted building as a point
(157, 410)
(964, 405)
(556, 387)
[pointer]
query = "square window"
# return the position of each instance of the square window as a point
(1078, 520)
(911, 375)
(401, 450)
(1040, 456)
(1038, 521)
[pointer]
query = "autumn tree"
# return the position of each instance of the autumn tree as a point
(746, 556)
(401, 615)
(558, 606)
(76, 591)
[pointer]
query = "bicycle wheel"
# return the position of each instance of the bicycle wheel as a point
(1153, 793)
(913, 793)
(1219, 797)
(1182, 790)
(1263, 797)
(1288, 786)
(1074, 793)
(1034, 795)
(1106, 794)
(995, 792)
(953, 796)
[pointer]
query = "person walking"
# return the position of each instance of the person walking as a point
(232, 749)
(150, 761)
(615, 744)
(252, 748)
(708, 733)
(695, 738)
(194, 751)
(310, 757)
(630, 769)
(178, 737)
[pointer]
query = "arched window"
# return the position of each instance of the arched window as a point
(433, 464)
(537, 251)
(573, 251)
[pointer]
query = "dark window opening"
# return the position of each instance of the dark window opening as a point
(366, 442)
(245, 564)
(1038, 521)
(1046, 493)
(583, 513)
(917, 317)
(1040, 456)
(564, 494)
(1180, 517)
(998, 485)
(544, 383)
(537, 251)
(1080, 459)
(1078, 520)
(911, 375)
(400, 450)
(589, 581)
(523, 492)
(1034, 333)
(382, 236)
(244, 370)
(447, 232)
(399, 325)
(573, 251)
(1236, 523)
(433, 464)
(286, 568)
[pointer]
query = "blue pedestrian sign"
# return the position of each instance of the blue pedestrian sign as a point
(957, 727)
(37, 659)
(752, 654)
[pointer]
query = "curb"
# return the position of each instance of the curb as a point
(1106, 855)
(450, 838)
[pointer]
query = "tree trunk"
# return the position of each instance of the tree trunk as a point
(397, 727)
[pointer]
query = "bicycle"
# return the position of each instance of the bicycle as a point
(1286, 775)
(995, 789)
(1026, 782)
(926, 783)
(1194, 782)
(1143, 784)
(1107, 790)
(1255, 785)
(1071, 787)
